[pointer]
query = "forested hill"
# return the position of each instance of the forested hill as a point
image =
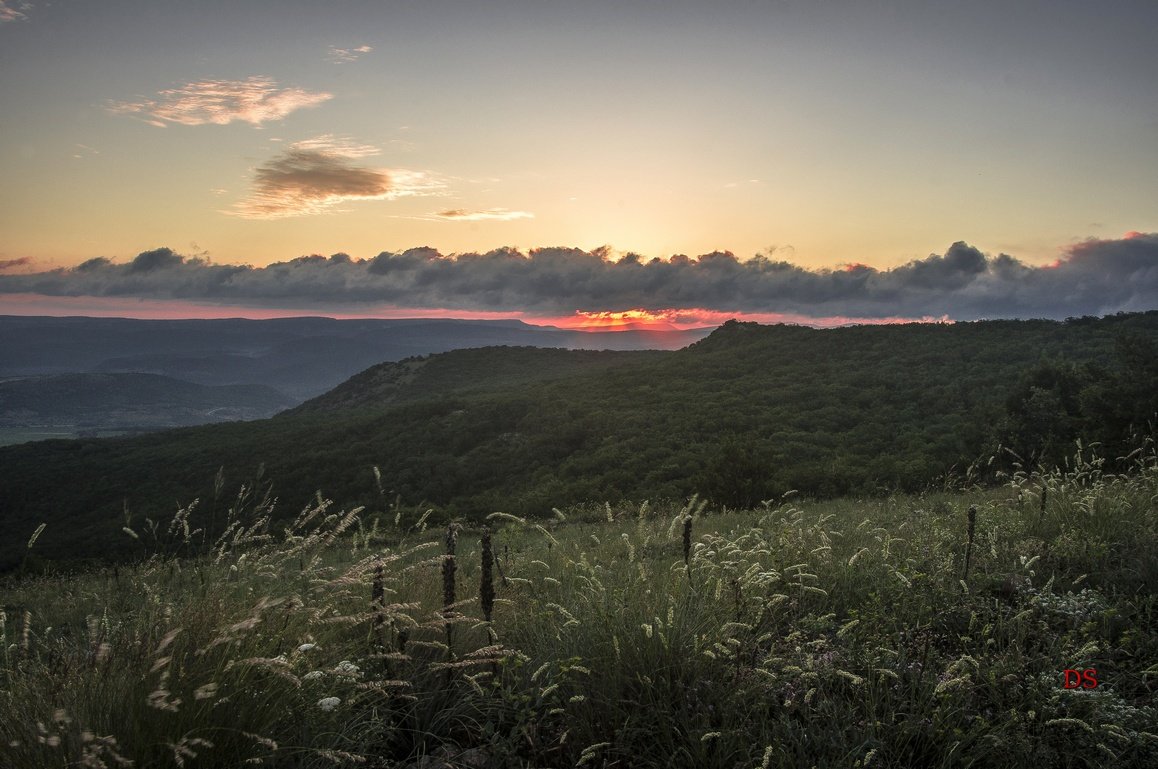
(743, 415)
(487, 369)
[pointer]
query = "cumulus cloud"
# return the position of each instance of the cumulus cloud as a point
(158, 259)
(1095, 277)
(487, 215)
(347, 55)
(255, 100)
(314, 175)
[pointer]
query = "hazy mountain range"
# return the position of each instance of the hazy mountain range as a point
(67, 376)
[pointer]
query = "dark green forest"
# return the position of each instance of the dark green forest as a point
(744, 415)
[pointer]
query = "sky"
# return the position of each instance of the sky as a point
(580, 163)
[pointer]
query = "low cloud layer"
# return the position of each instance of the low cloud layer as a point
(315, 175)
(256, 100)
(1095, 277)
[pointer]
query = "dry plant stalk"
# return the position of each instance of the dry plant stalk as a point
(971, 531)
(378, 599)
(486, 591)
(449, 567)
(688, 541)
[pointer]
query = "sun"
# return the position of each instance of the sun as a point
(622, 320)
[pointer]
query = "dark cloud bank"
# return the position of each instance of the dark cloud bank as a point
(1096, 277)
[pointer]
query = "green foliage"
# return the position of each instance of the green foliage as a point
(1057, 402)
(827, 634)
(744, 415)
(1044, 412)
(739, 475)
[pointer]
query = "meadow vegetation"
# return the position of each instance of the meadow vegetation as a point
(896, 631)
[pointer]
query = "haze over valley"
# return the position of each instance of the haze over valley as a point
(60, 377)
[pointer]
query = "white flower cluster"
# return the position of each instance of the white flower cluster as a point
(1098, 706)
(1084, 606)
(347, 668)
(328, 704)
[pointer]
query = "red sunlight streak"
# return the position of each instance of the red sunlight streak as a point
(619, 321)
(671, 319)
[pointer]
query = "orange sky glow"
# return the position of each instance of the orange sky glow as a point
(791, 161)
(580, 320)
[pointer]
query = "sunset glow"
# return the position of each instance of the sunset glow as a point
(625, 319)
(664, 320)
(721, 153)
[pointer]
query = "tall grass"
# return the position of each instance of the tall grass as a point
(848, 633)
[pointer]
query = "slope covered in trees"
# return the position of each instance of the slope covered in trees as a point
(744, 415)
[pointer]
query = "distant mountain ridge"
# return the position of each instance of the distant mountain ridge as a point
(301, 357)
(253, 367)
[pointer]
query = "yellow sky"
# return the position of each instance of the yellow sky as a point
(817, 133)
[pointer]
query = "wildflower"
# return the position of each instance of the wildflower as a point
(313, 675)
(347, 668)
(328, 704)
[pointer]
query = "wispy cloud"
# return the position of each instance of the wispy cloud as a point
(313, 176)
(255, 100)
(487, 215)
(347, 55)
(11, 264)
(7, 13)
(1096, 277)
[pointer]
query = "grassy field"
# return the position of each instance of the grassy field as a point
(896, 632)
